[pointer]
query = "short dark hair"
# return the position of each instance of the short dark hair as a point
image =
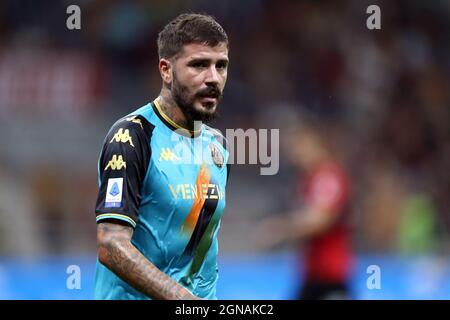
(189, 28)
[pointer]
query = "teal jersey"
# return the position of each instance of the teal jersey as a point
(169, 184)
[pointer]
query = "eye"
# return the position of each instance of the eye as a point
(199, 64)
(221, 65)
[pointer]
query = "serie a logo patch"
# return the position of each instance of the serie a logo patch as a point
(114, 193)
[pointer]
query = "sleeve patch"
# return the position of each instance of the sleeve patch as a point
(114, 192)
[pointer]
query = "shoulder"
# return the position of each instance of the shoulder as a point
(137, 123)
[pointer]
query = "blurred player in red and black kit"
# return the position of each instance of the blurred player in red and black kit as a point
(319, 219)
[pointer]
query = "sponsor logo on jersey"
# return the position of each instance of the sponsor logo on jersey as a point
(188, 191)
(167, 155)
(123, 136)
(133, 119)
(116, 163)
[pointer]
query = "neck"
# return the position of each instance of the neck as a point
(173, 111)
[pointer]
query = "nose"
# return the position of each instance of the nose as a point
(212, 76)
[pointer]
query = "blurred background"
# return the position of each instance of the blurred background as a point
(380, 98)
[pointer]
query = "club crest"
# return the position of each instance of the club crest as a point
(216, 155)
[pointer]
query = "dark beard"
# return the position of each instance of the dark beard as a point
(186, 103)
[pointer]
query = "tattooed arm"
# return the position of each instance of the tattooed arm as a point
(118, 254)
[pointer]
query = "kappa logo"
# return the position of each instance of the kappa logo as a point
(167, 155)
(123, 136)
(134, 120)
(116, 163)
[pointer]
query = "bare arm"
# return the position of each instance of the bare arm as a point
(310, 223)
(322, 211)
(118, 254)
(297, 225)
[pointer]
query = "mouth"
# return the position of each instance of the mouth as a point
(208, 99)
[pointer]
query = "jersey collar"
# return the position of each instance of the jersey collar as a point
(172, 124)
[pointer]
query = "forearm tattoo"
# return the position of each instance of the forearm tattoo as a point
(118, 254)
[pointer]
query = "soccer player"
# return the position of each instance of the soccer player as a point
(162, 176)
(319, 219)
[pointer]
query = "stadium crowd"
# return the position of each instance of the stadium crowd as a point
(381, 96)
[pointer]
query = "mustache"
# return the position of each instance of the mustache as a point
(213, 92)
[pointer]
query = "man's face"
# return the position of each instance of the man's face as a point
(199, 76)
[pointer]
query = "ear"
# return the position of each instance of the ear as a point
(165, 69)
